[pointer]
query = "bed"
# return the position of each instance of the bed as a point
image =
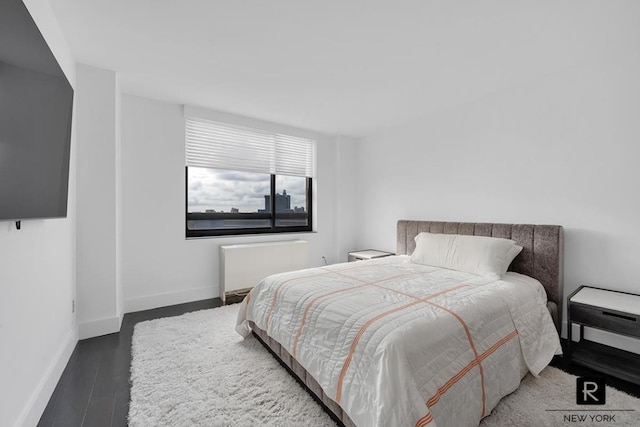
(391, 342)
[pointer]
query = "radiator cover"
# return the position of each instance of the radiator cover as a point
(242, 266)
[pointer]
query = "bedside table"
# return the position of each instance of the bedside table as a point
(612, 311)
(367, 254)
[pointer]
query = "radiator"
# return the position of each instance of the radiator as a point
(243, 266)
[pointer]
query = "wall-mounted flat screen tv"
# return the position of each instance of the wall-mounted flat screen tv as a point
(36, 106)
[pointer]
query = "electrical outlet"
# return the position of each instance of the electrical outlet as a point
(73, 306)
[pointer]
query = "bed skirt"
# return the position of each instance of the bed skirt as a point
(301, 374)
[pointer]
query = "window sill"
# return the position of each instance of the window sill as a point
(238, 236)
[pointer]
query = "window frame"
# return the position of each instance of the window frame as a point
(272, 216)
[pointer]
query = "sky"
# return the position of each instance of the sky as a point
(222, 190)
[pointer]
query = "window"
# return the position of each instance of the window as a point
(246, 181)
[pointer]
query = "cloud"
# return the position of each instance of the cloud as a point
(195, 186)
(241, 176)
(223, 190)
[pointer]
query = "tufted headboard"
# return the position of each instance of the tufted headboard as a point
(541, 256)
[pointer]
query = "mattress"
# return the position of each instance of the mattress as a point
(403, 344)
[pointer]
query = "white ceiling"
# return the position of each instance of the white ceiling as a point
(339, 67)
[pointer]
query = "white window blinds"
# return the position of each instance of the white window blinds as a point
(223, 146)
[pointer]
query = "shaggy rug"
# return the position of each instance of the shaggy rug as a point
(195, 370)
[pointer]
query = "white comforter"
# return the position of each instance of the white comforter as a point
(402, 344)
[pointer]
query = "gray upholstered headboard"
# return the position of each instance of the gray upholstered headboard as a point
(541, 256)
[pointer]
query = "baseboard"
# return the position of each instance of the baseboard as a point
(607, 338)
(98, 327)
(40, 398)
(162, 300)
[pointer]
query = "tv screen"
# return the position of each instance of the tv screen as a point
(36, 103)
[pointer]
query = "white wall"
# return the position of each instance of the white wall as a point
(159, 265)
(37, 283)
(562, 149)
(118, 202)
(97, 236)
(345, 209)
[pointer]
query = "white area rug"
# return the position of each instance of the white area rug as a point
(194, 370)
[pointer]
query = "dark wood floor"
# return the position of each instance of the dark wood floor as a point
(94, 388)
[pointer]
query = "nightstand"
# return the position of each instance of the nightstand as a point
(616, 312)
(367, 254)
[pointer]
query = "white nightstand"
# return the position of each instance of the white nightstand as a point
(616, 312)
(367, 254)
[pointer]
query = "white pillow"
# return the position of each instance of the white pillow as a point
(484, 256)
